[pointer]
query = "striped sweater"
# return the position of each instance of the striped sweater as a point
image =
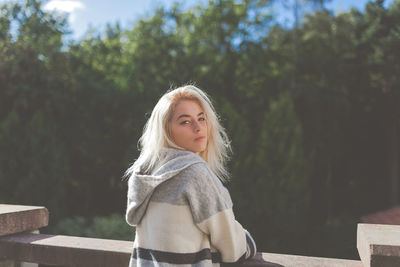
(183, 216)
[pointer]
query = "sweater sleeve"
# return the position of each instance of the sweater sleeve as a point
(211, 207)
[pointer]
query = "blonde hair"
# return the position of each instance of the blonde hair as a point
(156, 133)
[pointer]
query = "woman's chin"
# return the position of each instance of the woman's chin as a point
(197, 150)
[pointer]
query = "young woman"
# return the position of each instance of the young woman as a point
(181, 210)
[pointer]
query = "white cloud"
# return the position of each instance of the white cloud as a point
(69, 7)
(65, 6)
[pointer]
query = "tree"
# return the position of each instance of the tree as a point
(271, 185)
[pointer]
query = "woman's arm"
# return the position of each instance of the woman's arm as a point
(211, 207)
(251, 245)
(229, 237)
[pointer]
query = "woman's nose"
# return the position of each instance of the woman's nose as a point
(196, 126)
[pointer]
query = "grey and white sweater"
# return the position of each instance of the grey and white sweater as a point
(183, 216)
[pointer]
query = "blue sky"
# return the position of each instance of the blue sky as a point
(83, 14)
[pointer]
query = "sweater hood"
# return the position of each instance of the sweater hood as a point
(141, 186)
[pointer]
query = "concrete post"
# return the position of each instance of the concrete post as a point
(379, 245)
(17, 219)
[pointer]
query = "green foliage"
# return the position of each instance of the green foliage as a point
(337, 233)
(113, 226)
(35, 168)
(274, 181)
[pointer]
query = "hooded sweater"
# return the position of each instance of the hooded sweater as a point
(183, 215)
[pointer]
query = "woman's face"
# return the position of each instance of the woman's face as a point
(188, 126)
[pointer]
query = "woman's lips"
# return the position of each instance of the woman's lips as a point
(199, 138)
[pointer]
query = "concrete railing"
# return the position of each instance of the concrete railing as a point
(379, 245)
(19, 242)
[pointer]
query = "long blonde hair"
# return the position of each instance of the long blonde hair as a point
(156, 134)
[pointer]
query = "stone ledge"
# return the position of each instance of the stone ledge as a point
(17, 218)
(379, 245)
(87, 252)
(305, 261)
(62, 250)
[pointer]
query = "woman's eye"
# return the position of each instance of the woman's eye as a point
(184, 122)
(202, 119)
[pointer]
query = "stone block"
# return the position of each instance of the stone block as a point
(17, 218)
(379, 245)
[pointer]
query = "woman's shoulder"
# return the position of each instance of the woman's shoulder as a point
(200, 178)
(193, 169)
(199, 171)
(205, 192)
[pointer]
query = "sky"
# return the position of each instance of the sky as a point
(85, 14)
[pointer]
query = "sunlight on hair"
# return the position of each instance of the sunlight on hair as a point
(156, 133)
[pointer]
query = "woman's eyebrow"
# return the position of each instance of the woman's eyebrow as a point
(186, 115)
